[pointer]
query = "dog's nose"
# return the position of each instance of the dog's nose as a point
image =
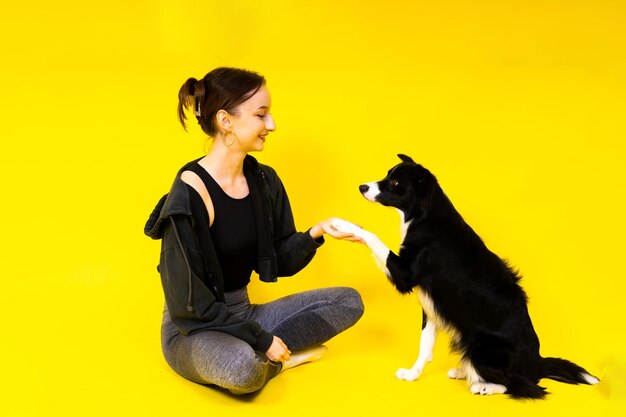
(363, 188)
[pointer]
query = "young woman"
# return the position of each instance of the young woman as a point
(225, 216)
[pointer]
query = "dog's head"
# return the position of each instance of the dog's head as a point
(408, 186)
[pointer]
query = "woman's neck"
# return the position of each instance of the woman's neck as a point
(224, 164)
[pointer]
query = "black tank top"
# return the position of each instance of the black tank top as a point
(233, 230)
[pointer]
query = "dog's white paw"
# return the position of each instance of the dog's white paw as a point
(345, 226)
(456, 373)
(485, 388)
(408, 374)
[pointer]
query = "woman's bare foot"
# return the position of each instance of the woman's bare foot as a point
(304, 356)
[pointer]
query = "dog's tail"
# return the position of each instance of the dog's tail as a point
(522, 388)
(565, 371)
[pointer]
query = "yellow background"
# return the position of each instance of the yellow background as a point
(517, 106)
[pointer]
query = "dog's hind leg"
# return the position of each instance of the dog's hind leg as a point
(457, 373)
(477, 383)
(427, 343)
(486, 388)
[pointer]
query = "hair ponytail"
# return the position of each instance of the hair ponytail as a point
(186, 99)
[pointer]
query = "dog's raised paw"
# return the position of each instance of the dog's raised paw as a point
(408, 374)
(344, 226)
(485, 388)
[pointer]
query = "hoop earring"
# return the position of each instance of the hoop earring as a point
(228, 145)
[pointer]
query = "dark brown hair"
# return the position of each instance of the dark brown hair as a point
(221, 89)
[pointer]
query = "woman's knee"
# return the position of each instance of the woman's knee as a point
(233, 365)
(215, 358)
(352, 299)
(251, 373)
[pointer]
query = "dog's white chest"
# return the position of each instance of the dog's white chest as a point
(404, 226)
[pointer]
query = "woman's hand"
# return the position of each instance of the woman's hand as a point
(278, 351)
(326, 227)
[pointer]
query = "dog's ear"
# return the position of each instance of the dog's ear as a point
(405, 158)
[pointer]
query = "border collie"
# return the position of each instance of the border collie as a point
(464, 289)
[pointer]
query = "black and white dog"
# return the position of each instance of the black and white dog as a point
(464, 289)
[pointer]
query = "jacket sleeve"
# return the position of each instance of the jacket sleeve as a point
(191, 304)
(294, 250)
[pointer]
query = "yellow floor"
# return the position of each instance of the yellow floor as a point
(97, 362)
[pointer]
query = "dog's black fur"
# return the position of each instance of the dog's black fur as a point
(473, 291)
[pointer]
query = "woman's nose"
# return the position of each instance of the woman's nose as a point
(269, 123)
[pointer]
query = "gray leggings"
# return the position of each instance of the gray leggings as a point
(301, 320)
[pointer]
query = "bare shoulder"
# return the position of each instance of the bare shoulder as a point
(191, 178)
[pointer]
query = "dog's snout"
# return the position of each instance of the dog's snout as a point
(363, 188)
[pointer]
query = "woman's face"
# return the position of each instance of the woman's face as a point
(253, 121)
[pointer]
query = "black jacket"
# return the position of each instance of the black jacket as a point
(193, 283)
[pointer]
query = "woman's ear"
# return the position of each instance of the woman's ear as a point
(224, 120)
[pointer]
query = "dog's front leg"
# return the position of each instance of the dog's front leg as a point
(384, 256)
(379, 249)
(427, 344)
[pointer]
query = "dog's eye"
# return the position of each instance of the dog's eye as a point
(393, 183)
